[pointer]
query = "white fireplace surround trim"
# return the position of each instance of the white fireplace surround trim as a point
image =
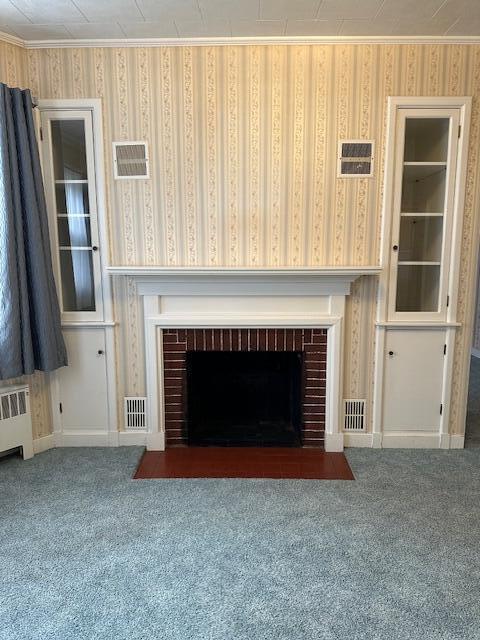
(300, 288)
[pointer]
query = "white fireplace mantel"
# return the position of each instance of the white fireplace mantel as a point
(235, 281)
(238, 297)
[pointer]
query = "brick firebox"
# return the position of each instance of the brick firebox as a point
(312, 342)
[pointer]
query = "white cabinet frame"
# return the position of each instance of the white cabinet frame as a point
(110, 436)
(384, 318)
(85, 116)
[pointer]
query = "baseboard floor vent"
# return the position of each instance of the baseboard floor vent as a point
(135, 413)
(354, 416)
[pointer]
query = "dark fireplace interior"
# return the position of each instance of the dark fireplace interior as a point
(244, 398)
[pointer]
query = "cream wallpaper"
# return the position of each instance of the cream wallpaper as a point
(243, 146)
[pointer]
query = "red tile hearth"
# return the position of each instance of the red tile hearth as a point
(243, 462)
(312, 342)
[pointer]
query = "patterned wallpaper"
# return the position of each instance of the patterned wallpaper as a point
(243, 146)
(13, 67)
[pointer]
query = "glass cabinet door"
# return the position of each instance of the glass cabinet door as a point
(72, 205)
(425, 174)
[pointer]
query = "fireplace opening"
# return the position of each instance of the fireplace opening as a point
(244, 398)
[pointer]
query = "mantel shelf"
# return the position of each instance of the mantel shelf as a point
(233, 281)
(232, 272)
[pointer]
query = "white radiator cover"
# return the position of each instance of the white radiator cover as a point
(15, 420)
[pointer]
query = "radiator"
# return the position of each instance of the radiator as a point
(15, 420)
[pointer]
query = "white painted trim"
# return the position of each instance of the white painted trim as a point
(132, 438)
(87, 325)
(154, 320)
(44, 443)
(243, 321)
(395, 104)
(457, 441)
(94, 106)
(231, 40)
(450, 333)
(378, 383)
(334, 442)
(86, 438)
(156, 441)
(358, 440)
(412, 440)
(475, 353)
(241, 281)
(9, 39)
(420, 324)
(465, 107)
(334, 376)
(345, 272)
(46, 145)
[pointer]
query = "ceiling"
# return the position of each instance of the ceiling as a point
(114, 19)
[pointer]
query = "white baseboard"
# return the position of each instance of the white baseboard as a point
(408, 440)
(358, 439)
(89, 439)
(457, 442)
(333, 441)
(156, 441)
(132, 438)
(85, 439)
(44, 443)
(476, 353)
(376, 440)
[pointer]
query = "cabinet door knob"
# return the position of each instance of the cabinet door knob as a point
(100, 352)
(395, 247)
(391, 353)
(94, 248)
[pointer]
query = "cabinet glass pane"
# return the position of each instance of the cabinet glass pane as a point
(76, 268)
(417, 288)
(423, 189)
(421, 239)
(69, 152)
(426, 139)
(74, 231)
(72, 198)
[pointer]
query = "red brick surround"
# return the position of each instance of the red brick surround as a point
(312, 342)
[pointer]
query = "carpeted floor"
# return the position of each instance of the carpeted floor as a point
(472, 431)
(88, 553)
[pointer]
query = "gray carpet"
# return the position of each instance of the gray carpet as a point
(85, 552)
(472, 432)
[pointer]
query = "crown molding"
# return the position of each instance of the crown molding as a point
(9, 39)
(225, 41)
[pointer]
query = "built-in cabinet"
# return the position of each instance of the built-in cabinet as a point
(416, 323)
(83, 394)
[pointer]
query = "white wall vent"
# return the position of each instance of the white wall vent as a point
(354, 419)
(130, 161)
(355, 158)
(135, 413)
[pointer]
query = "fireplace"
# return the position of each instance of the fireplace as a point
(241, 309)
(237, 398)
(260, 387)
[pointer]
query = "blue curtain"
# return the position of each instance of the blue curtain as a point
(30, 330)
